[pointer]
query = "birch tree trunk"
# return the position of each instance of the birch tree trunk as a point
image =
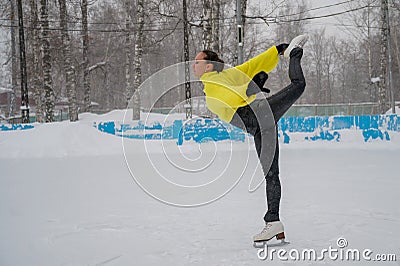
(397, 47)
(68, 67)
(372, 91)
(85, 55)
(128, 53)
(207, 28)
(211, 25)
(382, 103)
(222, 29)
(35, 77)
(46, 63)
(330, 68)
(369, 41)
(215, 25)
(138, 59)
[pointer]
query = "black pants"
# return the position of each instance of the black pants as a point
(246, 118)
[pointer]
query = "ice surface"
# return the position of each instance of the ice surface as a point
(67, 198)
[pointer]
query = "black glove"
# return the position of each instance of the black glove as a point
(281, 48)
(266, 90)
(257, 84)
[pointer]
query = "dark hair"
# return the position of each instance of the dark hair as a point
(213, 58)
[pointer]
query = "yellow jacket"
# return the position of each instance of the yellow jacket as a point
(226, 91)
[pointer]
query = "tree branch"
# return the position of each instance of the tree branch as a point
(98, 65)
(168, 34)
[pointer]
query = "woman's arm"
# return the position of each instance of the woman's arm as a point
(265, 61)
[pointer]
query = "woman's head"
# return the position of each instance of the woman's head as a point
(207, 61)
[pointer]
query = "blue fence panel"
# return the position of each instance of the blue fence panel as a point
(202, 130)
(10, 127)
(343, 122)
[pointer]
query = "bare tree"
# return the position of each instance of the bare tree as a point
(343, 71)
(138, 58)
(317, 51)
(396, 40)
(68, 66)
(128, 53)
(289, 24)
(362, 24)
(35, 68)
(323, 67)
(330, 68)
(382, 101)
(216, 25)
(85, 57)
(344, 66)
(46, 62)
(211, 24)
(207, 20)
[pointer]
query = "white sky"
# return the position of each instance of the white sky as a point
(332, 24)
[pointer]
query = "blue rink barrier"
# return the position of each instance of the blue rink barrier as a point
(198, 130)
(326, 128)
(331, 128)
(10, 127)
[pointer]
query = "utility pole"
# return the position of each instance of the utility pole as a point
(14, 69)
(24, 85)
(188, 92)
(239, 22)
(389, 48)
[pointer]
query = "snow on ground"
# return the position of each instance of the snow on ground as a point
(396, 109)
(67, 197)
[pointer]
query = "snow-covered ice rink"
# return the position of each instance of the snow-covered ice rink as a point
(68, 197)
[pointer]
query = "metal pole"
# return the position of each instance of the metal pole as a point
(188, 92)
(390, 62)
(14, 83)
(24, 86)
(239, 22)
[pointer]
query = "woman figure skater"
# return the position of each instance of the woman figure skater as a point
(231, 95)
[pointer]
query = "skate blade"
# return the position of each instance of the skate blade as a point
(262, 244)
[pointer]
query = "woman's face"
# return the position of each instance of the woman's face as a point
(200, 65)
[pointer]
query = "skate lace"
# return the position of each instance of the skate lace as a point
(266, 228)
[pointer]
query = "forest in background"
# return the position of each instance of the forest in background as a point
(93, 55)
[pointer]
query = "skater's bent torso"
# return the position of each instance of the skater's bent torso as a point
(226, 90)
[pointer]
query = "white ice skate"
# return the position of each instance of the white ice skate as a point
(271, 230)
(298, 41)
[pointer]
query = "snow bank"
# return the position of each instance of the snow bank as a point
(82, 139)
